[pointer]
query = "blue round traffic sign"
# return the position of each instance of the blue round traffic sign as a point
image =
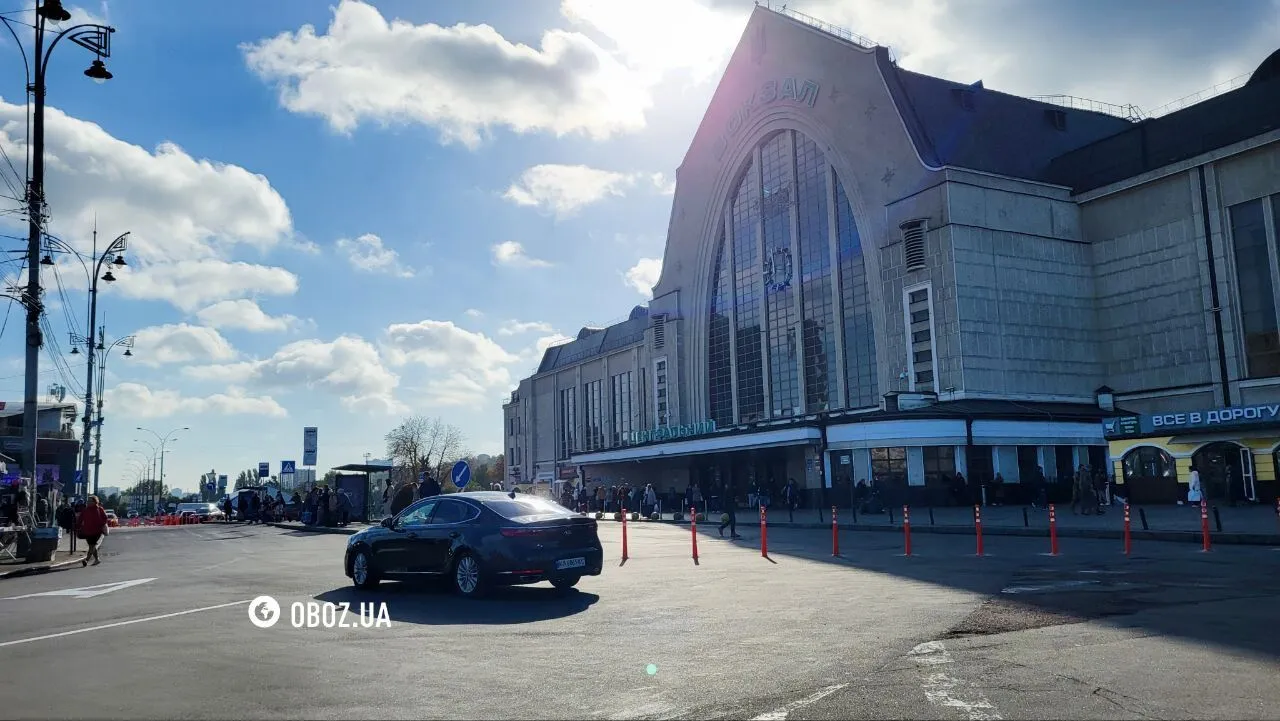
(461, 474)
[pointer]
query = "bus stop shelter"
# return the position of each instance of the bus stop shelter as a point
(357, 480)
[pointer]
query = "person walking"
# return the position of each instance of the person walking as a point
(730, 517)
(791, 497)
(66, 519)
(650, 500)
(92, 526)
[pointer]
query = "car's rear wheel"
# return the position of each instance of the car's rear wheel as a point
(564, 584)
(362, 573)
(467, 579)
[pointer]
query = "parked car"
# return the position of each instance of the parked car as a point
(478, 540)
(112, 520)
(203, 512)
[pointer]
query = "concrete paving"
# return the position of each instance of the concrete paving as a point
(1168, 632)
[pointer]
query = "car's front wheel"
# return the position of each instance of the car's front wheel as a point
(363, 574)
(467, 580)
(564, 584)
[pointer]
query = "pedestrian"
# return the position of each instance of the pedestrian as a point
(66, 519)
(600, 498)
(92, 526)
(650, 500)
(255, 508)
(430, 487)
(226, 509)
(344, 508)
(729, 519)
(42, 509)
(790, 496)
(1195, 493)
(698, 501)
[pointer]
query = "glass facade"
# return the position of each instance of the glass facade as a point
(621, 391)
(719, 370)
(1255, 290)
(861, 389)
(568, 413)
(785, 315)
(746, 272)
(593, 430)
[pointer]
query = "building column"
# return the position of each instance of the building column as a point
(915, 466)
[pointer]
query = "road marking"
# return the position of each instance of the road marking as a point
(87, 591)
(122, 623)
(940, 688)
(1053, 586)
(781, 714)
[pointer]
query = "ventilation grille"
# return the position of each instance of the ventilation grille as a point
(659, 331)
(913, 244)
(920, 348)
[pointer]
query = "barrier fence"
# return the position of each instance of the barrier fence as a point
(1054, 549)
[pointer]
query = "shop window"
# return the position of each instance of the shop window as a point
(889, 465)
(939, 465)
(1148, 462)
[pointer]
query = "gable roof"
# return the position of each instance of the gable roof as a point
(971, 126)
(592, 342)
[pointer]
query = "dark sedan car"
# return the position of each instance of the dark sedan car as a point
(476, 541)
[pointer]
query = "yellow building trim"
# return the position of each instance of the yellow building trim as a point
(1263, 451)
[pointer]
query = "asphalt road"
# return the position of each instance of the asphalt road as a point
(1168, 633)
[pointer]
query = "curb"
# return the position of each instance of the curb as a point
(36, 570)
(316, 529)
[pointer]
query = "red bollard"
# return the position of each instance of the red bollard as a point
(764, 535)
(1204, 525)
(1053, 531)
(906, 529)
(693, 529)
(1128, 540)
(835, 533)
(977, 525)
(624, 534)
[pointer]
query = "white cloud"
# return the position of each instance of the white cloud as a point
(516, 327)
(368, 254)
(473, 313)
(474, 365)
(463, 80)
(135, 400)
(665, 186)
(348, 367)
(564, 189)
(660, 36)
(176, 207)
(512, 254)
(181, 343)
(190, 284)
(644, 275)
(244, 314)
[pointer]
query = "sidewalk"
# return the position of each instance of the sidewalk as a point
(1251, 525)
(62, 558)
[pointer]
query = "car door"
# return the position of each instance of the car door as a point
(395, 550)
(445, 528)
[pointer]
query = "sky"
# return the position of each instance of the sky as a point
(341, 213)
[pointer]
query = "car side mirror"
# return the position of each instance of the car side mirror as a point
(388, 523)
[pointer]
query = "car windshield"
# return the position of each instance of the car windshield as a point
(525, 509)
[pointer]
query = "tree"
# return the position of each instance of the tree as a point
(330, 479)
(421, 444)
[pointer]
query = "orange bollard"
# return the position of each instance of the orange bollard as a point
(906, 529)
(977, 524)
(835, 533)
(693, 530)
(1053, 531)
(624, 534)
(1128, 540)
(1204, 525)
(764, 534)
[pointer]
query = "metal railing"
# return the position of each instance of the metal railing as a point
(1127, 111)
(1225, 86)
(811, 21)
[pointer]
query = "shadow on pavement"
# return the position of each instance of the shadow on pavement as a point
(1225, 597)
(429, 604)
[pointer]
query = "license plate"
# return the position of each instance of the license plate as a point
(570, 563)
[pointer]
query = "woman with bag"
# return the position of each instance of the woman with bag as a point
(92, 526)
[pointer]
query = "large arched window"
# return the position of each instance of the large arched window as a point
(790, 318)
(1147, 462)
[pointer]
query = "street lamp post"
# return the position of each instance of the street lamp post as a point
(96, 39)
(163, 440)
(114, 251)
(104, 351)
(151, 462)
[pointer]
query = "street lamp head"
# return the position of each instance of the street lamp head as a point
(98, 72)
(128, 353)
(52, 10)
(46, 260)
(75, 350)
(109, 277)
(119, 261)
